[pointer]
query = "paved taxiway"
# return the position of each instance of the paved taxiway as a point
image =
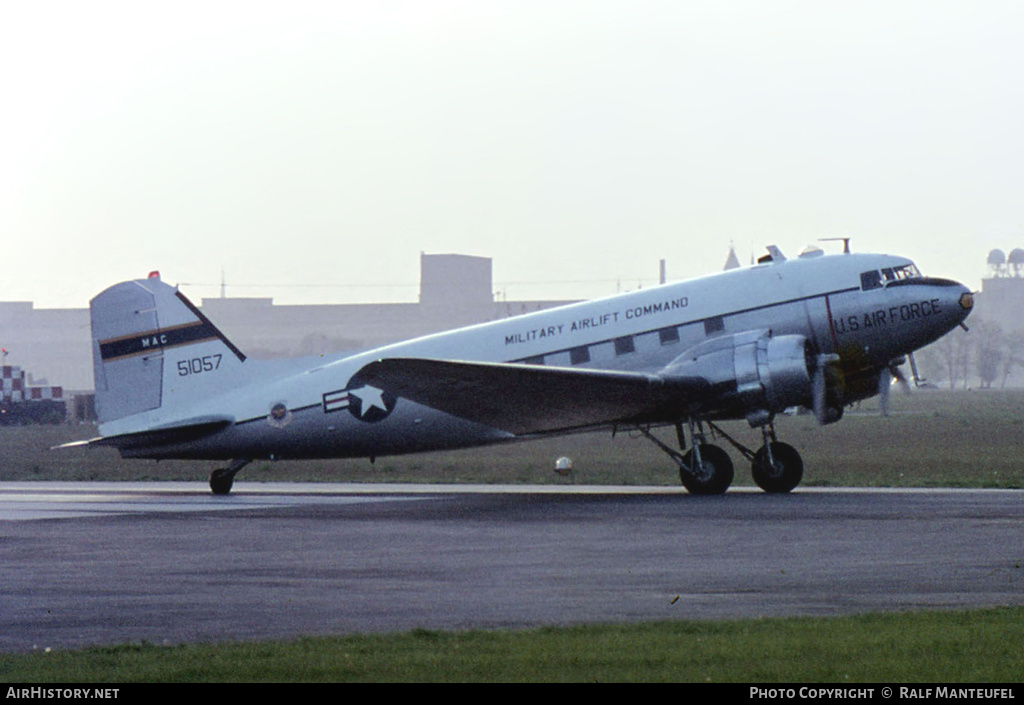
(102, 563)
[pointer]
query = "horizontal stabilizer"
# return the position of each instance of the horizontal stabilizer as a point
(528, 399)
(191, 430)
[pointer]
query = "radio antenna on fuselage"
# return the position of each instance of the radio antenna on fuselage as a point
(846, 242)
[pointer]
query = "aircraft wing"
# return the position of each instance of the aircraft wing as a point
(528, 399)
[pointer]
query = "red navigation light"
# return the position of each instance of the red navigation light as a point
(155, 274)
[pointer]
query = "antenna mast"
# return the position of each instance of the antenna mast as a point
(845, 240)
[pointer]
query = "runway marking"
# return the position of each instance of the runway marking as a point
(26, 501)
(18, 504)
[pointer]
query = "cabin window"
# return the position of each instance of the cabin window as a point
(536, 360)
(667, 336)
(714, 325)
(625, 345)
(580, 355)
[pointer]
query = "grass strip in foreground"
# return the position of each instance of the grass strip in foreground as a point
(977, 646)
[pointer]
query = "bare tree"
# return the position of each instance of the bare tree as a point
(1014, 357)
(953, 352)
(990, 350)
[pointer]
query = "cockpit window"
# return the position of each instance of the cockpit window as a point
(876, 279)
(870, 280)
(907, 271)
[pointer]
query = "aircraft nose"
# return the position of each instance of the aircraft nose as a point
(965, 301)
(957, 299)
(940, 305)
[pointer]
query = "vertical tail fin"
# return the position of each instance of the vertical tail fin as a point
(154, 353)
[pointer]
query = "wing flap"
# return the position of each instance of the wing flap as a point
(528, 399)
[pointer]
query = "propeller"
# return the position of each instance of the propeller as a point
(884, 385)
(893, 372)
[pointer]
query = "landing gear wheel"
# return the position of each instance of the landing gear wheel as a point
(713, 475)
(781, 475)
(221, 481)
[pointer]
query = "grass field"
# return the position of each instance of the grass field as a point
(978, 646)
(930, 439)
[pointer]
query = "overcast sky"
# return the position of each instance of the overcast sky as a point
(312, 150)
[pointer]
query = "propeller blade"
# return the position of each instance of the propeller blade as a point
(819, 390)
(884, 384)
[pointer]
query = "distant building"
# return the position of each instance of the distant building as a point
(1001, 300)
(456, 281)
(52, 344)
(991, 353)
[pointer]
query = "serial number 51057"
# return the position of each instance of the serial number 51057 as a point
(198, 365)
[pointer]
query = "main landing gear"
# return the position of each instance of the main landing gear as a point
(707, 469)
(222, 479)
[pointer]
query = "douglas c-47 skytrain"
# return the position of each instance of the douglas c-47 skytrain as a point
(819, 331)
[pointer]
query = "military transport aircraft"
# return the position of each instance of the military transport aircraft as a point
(818, 331)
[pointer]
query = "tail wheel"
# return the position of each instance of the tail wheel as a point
(221, 481)
(712, 475)
(782, 473)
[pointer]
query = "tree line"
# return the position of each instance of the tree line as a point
(986, 356)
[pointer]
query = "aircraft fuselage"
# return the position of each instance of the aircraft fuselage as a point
(326, 410)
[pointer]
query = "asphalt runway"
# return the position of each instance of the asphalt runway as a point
(109, 563)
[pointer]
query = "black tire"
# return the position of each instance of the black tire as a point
(786, 473)
(221, 482)
(713, 477)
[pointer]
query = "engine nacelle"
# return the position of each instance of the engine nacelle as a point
(752, 374)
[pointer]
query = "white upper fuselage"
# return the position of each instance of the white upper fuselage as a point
(644, 330)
